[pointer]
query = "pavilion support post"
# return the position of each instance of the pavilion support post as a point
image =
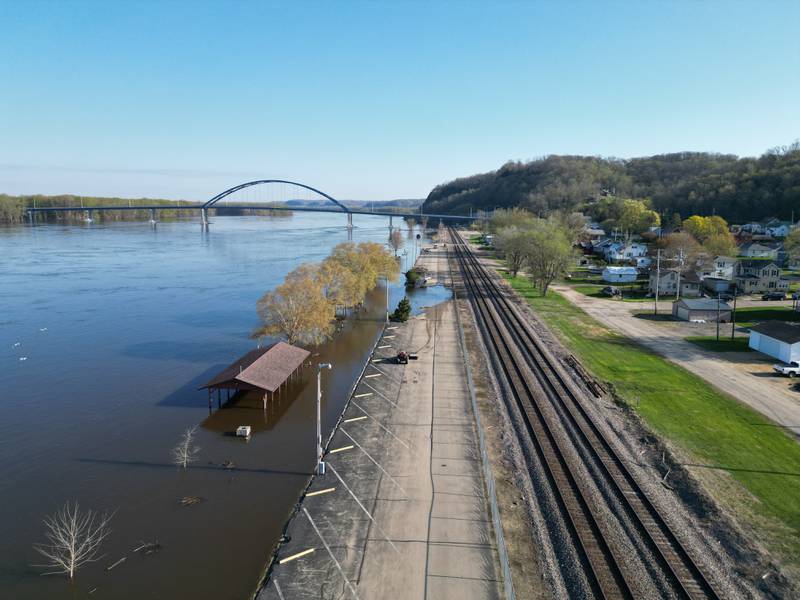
(264, 399)
(219, 398)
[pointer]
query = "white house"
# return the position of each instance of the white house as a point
(755, 250)
(778, 339)
(668, 283)
(724, 267)
(619, 274)
(753, 228)
(620, 251)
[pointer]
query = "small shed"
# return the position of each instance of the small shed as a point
(778, 339)
(705, 309)
(619, 274)
(263, 369)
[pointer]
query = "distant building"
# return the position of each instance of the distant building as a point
(779, 230)
(622, 252)
(619, 274)
(668, 283)
(701, 309)
(716, 285)
(756, 250)
(724, 267)
(778, 339)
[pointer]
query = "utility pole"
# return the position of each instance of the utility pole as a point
(733, 316)
(320, 463)
(680, 270)
(387, 299)
(658, 278)
(717, 316)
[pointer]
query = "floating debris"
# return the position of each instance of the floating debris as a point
(148, 547)
(23, 358)
(191, 500)
(42, 328)
(116, 564)
(17, 344)
(228, 464)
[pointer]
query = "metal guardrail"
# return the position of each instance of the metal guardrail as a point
(502, 552)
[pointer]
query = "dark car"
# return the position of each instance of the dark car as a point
(774, 296)
(402, 358)
(610, 290)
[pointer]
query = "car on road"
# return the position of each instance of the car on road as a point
(774, 296)
(402, 358)
(792, 369)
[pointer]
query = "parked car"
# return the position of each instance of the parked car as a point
(792, 369)
(402, 358)
(610, 290)
(774, 296)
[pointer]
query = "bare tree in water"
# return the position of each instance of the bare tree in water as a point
(74, 538)
(186, 452)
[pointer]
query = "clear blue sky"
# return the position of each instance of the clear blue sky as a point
(380, 99)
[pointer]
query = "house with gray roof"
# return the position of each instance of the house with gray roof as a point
(701, 309)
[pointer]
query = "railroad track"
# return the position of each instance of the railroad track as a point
(536, 383)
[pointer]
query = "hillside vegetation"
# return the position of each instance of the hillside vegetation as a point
(687, 183)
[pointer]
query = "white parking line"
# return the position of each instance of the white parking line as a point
(379, 394)
(366, 512)
(333, 558)
(364, 395)
(385, 346)
(388, 337)
(391, 328)
(360, 447)
(342, 449)
(373, 375)
(278, 589)
(354, 419)
(320, 492)
(379, 424)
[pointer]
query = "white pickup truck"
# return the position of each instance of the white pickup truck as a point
(792, 369)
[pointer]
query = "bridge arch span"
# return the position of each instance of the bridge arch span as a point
(241, 186)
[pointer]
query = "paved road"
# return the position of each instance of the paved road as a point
(747, 376)
(408, 515)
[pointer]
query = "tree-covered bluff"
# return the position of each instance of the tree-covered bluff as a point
(738, 189)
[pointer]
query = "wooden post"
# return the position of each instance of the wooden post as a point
(219, 398)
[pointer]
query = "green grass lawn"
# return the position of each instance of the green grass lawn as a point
(715, 431)
(724, 344)
(749, 316)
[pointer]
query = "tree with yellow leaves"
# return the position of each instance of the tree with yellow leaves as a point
(297, 309)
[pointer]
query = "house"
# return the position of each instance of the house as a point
(619, 274)
(621, 251)
(593, 233)
(701, 309)
(599, 246)
(756, 250)
(753, 228)
(778, 339)
(724, 267)
(668, 283)
(779, 229)
(642, 262)
(754, 276)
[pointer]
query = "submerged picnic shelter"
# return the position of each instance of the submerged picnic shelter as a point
(263, 369)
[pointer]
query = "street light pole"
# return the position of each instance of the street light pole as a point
(387, 299)
(320, 462)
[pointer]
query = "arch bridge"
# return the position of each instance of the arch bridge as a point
(334, 206)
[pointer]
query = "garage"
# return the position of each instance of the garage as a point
(701, 309)
(777, 339)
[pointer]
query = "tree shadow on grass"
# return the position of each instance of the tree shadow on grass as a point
(742, 470)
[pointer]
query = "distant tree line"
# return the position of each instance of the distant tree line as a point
(12, 208)
(686, 183)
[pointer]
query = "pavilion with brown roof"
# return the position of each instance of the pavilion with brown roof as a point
(263, 369)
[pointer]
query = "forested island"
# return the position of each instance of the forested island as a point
(12, 208)
(687, 183)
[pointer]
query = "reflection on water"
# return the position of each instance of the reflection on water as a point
(120, 325)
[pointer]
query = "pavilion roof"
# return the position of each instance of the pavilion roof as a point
(263, 368)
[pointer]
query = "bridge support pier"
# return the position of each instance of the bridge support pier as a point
(87, 216)
(204, 217)
(349, 220)
(31, 217)
(153, 217)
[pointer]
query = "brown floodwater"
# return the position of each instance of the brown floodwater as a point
(106, 332)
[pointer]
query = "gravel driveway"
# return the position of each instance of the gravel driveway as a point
(747, 376)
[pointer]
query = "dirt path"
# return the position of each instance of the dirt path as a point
(745, 376)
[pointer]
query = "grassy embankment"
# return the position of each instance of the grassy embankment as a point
(750, 466)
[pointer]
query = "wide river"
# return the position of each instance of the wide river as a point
(106, 332)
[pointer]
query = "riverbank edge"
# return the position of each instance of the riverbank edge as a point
(264, 580)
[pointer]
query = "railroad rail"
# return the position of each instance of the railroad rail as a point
(536, 381)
